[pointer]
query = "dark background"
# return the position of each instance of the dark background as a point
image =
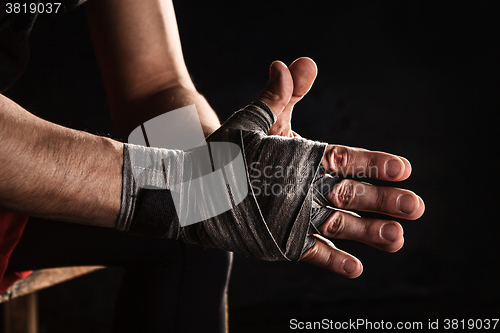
(417, 79)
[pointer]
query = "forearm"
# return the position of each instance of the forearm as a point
(58, 173)
(140, 56)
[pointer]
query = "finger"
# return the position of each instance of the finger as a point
(381, 234)
(303, 71)
(351, 194)
(279, 88)
(407, 170)
(324, 254)
(347, 161)
(283, 126)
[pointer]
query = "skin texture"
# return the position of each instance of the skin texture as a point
(62, 174)
(287, 86)
(56, 172)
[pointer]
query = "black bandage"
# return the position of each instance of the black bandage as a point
(284, 185)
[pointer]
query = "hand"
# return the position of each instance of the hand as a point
(285, 88)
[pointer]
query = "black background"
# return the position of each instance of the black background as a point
(418, 79)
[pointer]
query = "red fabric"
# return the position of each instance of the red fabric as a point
(11, 229)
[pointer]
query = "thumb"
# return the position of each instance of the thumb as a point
(304, 72)
(279, 88)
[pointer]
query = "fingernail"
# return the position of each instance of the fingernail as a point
(392, 168)
(350, 266)
(406, 203)
(389, 232)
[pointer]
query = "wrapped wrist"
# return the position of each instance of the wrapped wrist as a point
(261, 195)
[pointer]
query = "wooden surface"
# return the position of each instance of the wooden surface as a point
(21, 315)
(45, 278)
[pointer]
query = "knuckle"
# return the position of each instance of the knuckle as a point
(343, 194)
(319, 254)
(367, 230)
(380, 201)
(329, 260)
(268, 94)
(273, 96)
(339, 158)
(311, 254)
(335, 225)
(372, 166)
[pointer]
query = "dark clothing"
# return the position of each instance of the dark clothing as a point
(15, 29)
(167, 286)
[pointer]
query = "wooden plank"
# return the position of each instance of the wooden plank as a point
(45, 278)
(21, 314)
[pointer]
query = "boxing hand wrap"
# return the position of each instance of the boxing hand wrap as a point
(147, 207)
(275, 204)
